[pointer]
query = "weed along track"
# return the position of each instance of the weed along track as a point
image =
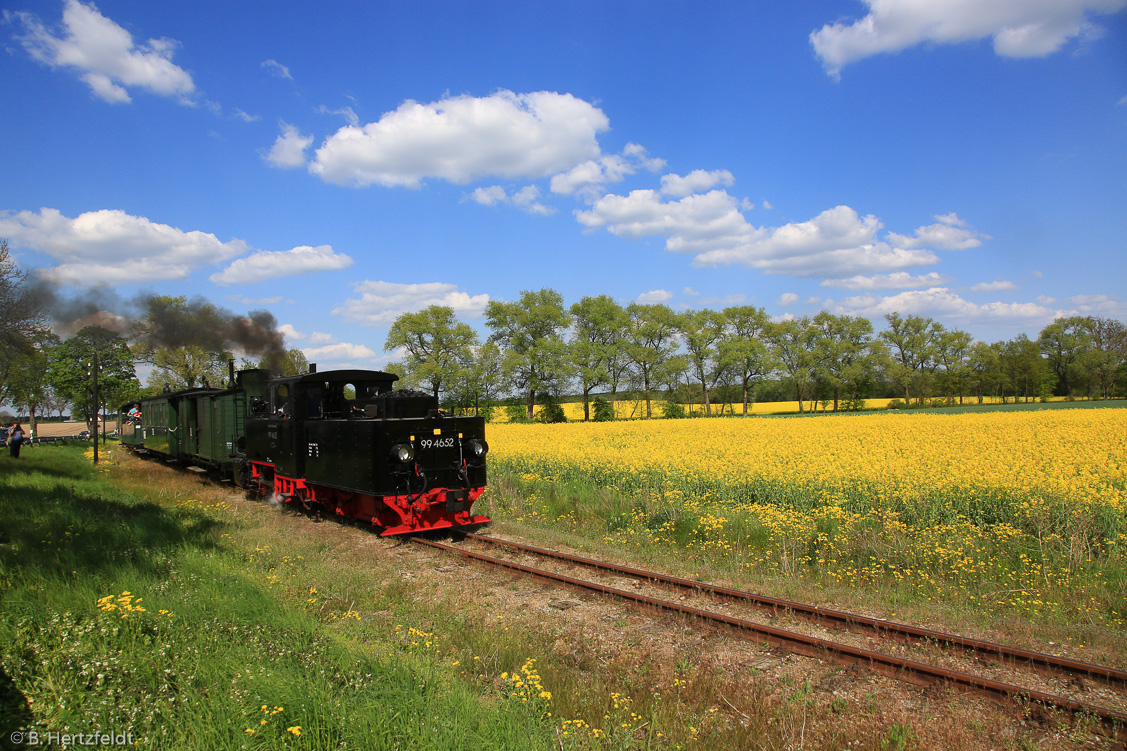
(1050, 673)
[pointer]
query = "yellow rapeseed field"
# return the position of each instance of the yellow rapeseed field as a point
(1016, 509)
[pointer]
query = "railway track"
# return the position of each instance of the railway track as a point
(1107, 722)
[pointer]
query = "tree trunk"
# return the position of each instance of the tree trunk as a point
(586, 405)
(745, 398)
(531, 401)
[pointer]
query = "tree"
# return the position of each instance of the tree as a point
(650, 344)
(952, 354)
(437, 345)
(743, 347)
(792, 343)
(984, 367)
(479, 385)
(598, 325)
(913, 343)
(702, 331)
(531, 333)
(1063, 343)
(1025, 371)
(841, 349)
(71, 363)
(22, 318)
(28, 386)
(1108, 352)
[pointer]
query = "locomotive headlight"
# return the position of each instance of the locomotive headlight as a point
(478, 448)
(402, 453)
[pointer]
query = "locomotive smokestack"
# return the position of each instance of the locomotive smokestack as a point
(312, 367)
(231, 371)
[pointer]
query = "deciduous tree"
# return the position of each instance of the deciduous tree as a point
(531, 334)
(437, 345)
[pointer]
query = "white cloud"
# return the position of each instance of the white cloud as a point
(288, 151)
(893, 280)
(464, 138)
(347, 113)
(111, 246)
(695, 182)
(264, 264)
(942, 303)
(788, 298)
(246, 118)
(1095, 305)
(767, 205)
(654, 296)
(277, 69)
(998, 286)
(950, 233)
(1019, 28)
(526, 199)
(340, 354)
(491, 196)
(836, 243)
(690, 292)
(105, 55)
(382, 302)
(287, 330)
(588, 179)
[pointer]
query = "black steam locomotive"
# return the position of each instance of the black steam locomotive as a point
(343, 440)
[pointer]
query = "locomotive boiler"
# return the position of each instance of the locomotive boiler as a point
(344, 441)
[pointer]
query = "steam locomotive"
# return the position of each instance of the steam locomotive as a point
(343, 440)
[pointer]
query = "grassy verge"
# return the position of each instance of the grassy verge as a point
(143, 612)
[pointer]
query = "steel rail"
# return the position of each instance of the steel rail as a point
(1108, 722)
(885, 628)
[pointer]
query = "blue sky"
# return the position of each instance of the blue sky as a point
(340, 164)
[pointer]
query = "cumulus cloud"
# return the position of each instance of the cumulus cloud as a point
(893, 280)
(1095, 305)
(949, 233)
(788, 298)
(526, 199)
(941, 302)
(288, 151)
(277, 69)
(838, 243)
(1019, 28)
(382, 302)
(695, 182)
(264, 265)
(654, 296)
(340, 354)
(287, 330)
(110, 246)
(588, 179)
(998, 286)
(464, 138)
(104, 54)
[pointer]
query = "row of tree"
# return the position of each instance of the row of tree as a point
(539, 346)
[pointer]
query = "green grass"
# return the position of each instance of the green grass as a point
(191, 656)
